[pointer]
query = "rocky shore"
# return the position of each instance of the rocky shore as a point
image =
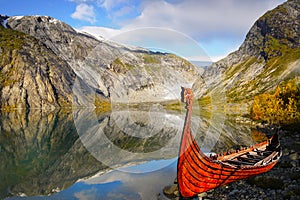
(282, 182)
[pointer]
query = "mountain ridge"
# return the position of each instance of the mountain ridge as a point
(111, 71)
(269, 55)
(122, 74)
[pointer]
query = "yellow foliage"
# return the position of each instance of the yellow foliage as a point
(281, 107)
(258, 136)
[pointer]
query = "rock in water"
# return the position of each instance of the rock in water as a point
(171, 191)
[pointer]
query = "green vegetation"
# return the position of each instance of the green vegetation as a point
(184, 64)
(270, 14)
(205, 106)
(241, 67)
(8, 78)
(205, 101)
(282, 107)
(2, 78)
(119, 67)
(281, 62)
(278, 57)
(258, 137)
(64, 103)
(177, 106)
(279, 54)
(184, 61)
(151, 59)
(240, 92)
(102, 106)
(10, 39)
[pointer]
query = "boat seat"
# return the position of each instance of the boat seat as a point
(267, 159)
(238, 162)
(243, 159)
(256, 157)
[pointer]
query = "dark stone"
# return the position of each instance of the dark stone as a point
(171, 191)
(266, 182)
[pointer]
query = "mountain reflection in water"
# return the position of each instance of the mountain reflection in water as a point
(120, 185)
(47, 153)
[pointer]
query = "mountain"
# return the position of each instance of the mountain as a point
(269, 55)
(49, 64)
(68, 67)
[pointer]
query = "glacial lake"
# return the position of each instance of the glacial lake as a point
(87, 154)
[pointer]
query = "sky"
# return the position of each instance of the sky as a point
(202, 30)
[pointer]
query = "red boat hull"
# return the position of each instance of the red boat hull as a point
(197, 173)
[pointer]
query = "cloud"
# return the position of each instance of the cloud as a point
(100, 32)
(125, 10)
(114, 9)
(84, 12)
(110, 4)
(106, 4)
(202, 19)
(205, 21)
(118, 10)
(217, 25)
(86, 194)
(155, 39)
(138, 182)
(87, 1)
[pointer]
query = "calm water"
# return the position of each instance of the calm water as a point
(84, 154)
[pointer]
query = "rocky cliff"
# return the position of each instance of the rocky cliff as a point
(31, 75)
(68, 67)
(270, 54)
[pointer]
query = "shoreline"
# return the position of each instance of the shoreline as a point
(282, 182)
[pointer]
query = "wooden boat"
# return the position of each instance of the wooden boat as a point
(197, 173)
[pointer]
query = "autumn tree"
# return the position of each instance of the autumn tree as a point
(282, 107)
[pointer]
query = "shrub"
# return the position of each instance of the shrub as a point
(280, 108)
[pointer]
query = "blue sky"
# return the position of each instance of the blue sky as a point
(218, 27)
